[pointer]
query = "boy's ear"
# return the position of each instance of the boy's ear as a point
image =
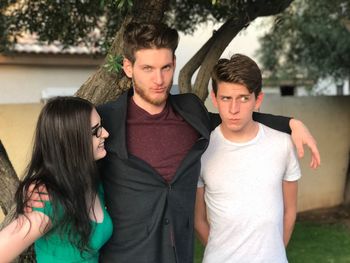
(213, 98)
(259, 101)
(127, 67)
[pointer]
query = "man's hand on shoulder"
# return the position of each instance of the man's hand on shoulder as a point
(300, 136)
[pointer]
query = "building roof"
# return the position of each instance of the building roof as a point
(29, 44)
(54, 48)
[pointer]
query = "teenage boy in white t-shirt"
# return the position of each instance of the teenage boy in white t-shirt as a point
(247, 192)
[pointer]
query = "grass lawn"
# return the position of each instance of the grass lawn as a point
(312, 242)
(315, 242)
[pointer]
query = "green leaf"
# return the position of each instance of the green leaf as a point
(114, 63)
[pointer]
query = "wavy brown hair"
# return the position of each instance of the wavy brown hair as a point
(239, 69)
(139, 36)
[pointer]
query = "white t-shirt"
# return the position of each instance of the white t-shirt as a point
(243, 194)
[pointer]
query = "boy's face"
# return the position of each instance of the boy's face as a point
(236, 105)
(152, 75)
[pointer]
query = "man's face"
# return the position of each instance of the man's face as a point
(152, 75)
(236, 106)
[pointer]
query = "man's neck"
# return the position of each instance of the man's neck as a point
(147, 106)
(248, 133)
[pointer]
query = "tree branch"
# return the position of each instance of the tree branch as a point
(192, 65)
(221, 40)
(8, 181)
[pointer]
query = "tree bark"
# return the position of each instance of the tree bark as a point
(8, 181)
(187, 71)
(8, 186)
(222, 38)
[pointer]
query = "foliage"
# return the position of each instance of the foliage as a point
(88, 23)
(186, 15)
(95, 23)
(114, 63)
(312, 242)
(124, 4)
(308, 40)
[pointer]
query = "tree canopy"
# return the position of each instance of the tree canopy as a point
(74, 22)
(69, 22)
(311, 39)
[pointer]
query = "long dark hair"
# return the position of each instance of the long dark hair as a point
(62, 161)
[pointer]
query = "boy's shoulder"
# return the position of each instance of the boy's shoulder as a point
(275, 137)
(274, 133)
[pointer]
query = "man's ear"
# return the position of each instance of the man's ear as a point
(259, 101)
(127, 66)
(213, 98)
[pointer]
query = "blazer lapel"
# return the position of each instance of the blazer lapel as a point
(197, 121)
(114, 120)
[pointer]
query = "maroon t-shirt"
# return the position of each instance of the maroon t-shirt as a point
(162, 140)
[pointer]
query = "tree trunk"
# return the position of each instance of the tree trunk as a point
(8, 186)
(192, 65)
(222, 38)
(8, 181)
(105, 86)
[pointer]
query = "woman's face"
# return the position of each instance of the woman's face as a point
(99, 134)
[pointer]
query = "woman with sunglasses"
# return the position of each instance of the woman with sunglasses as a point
(74, 224)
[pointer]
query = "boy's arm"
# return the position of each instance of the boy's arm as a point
(300, 133)
(200, 217)
(290, 190)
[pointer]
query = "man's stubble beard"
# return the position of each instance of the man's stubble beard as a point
(144, 96)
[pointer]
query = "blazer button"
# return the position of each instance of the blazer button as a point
(166, 221)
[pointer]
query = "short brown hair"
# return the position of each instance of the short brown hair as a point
(139, 36)
(239, 69)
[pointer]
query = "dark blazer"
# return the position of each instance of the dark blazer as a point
(153, 220)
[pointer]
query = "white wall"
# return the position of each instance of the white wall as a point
(24, 84)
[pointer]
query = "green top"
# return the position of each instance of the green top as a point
(55, 247)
